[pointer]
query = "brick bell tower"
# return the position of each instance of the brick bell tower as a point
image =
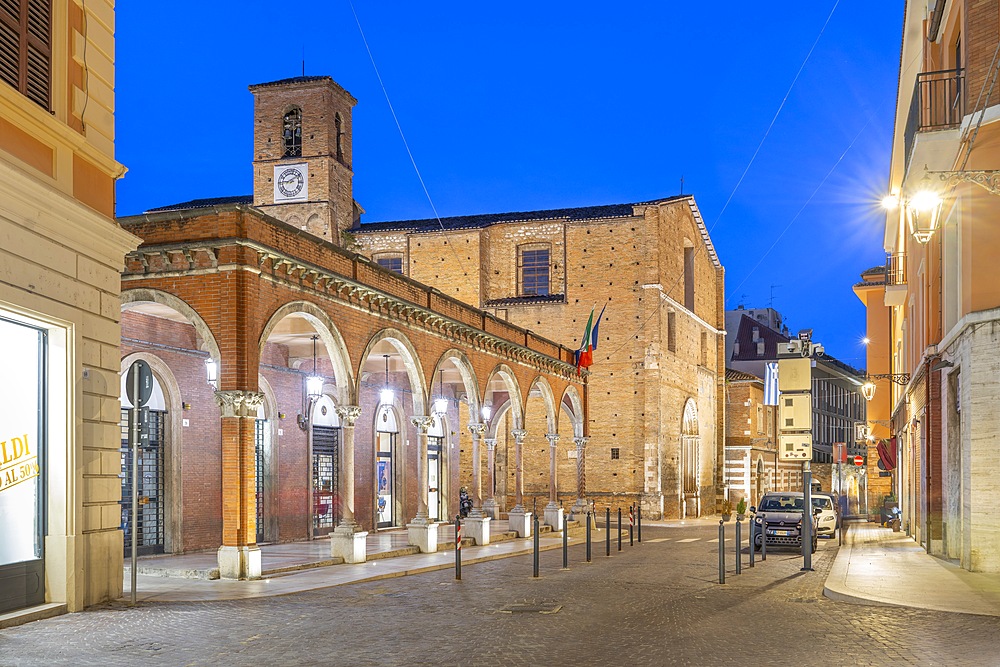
(302, 154)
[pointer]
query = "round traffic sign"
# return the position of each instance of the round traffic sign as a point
(139, 369)
(859, 460)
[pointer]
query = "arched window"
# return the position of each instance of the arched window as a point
(291, 133)
(340, 136)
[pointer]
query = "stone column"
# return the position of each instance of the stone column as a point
(581, 506)
(348, 541)
(519, 518)
(477, 524)
(553, 511)
(422, 531)
(239, 555)
(490, 504)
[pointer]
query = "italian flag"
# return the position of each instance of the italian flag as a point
(585, 355)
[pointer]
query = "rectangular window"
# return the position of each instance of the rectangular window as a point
(392, 263)
(26, 48)
(533, 270)
(689, 279)
(615, 453)
(671, 331)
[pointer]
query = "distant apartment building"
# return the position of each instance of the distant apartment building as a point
(60, 257)
(939, 340)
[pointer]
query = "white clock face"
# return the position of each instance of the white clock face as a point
(291, 183)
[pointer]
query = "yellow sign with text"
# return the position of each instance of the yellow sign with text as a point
(17, 462)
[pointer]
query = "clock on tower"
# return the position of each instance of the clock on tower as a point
(291, 183)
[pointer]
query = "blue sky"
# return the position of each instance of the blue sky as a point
(532, 105)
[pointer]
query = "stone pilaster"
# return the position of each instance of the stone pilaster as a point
(553, 511)
(347, 540)
(477, 431)
(581, 505)
(490, 504)
(239, 555)
(422, 532)
(519, 519)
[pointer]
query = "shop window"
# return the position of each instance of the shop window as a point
(533, 269)
(390, 261)
(291, 133)
(26, 48)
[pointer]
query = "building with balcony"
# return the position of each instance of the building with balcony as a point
(937, 341)
(60, 258)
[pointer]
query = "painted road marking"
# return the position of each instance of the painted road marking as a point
(691, 539)
(659, 539)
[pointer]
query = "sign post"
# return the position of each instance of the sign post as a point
(138, 389)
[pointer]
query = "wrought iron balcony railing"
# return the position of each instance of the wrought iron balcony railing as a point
(895, 269)
(938, 103)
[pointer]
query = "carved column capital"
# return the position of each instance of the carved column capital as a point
(348, 414)
(519, 435)
(238, 403)
(553, 439)
(477, 430)
(491, 444)
(422, 422)
(581, 443)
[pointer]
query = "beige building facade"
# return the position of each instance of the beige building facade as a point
(60, 258)
(941, 289)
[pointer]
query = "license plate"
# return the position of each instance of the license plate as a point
(783, 533)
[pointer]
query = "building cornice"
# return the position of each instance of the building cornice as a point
(281, 267)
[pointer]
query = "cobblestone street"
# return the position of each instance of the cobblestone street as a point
(657, 603)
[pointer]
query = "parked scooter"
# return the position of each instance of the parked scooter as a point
(464, 502)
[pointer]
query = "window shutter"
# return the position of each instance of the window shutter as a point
(10, 51)
(39, 52)
(26, 47)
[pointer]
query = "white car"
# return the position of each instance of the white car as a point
(826, 520)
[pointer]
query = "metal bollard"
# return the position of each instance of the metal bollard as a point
(588, 537)
(739, 544)
(607, 530)
(619, 529)
(565, 543)
(753, 529)
(536, 547)
(458, 547)
(722, 552)
(638, 515)
(631, 526)
(763, 539)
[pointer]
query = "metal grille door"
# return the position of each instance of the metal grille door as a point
(259, 426)
(325, 473)
(150, 529)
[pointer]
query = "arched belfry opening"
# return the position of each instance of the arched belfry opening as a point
(291, 133)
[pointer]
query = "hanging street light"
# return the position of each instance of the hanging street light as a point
(314, 383)
(441, 402)
(386, 396)
(212, 372)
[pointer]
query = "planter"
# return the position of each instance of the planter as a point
(727, 517)
(741, 517)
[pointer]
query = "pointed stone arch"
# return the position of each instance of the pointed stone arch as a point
(411, 364)
(146, 295)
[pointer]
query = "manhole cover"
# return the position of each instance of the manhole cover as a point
(545, 608)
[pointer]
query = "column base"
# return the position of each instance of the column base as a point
(424, 536)
(349, 543)
(491, 509)
(239, 562)
(520, 522)
(478, 528)
(579, 510)
(554, 518)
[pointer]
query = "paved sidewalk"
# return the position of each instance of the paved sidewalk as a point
(876, 565)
